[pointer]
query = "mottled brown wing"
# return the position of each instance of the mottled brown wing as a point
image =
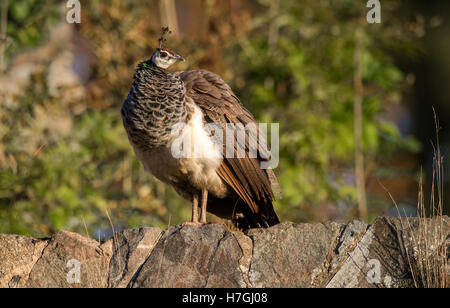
(221, 106)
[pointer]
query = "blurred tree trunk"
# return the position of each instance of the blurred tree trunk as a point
(274, 27)
(169, 15)
(4, 23)
(358, 126)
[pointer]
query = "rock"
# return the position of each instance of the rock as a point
(131, 248)
(225, 268)
(71, 261)
(384, 254)
(246, 245)
(349, 236)
(288, 254)
(376, 261)
(190, 257)
(18, 255)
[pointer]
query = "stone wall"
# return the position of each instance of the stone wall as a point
(287, 255)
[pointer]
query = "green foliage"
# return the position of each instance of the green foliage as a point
(30, 21)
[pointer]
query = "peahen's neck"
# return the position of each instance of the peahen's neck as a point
(155, 105)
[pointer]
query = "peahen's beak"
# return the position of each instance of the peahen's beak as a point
(179, 58)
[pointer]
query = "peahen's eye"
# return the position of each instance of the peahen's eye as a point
(163, 54)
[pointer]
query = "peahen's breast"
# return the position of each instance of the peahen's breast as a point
(154, 106)
(191, 157)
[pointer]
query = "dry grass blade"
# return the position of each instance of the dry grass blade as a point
(115, 241)
(429, 262)
(427, 254)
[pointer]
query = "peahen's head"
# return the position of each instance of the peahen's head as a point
(164, 57)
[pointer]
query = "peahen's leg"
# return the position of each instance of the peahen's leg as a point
(204, 202)
(194, 209)
(194, 221)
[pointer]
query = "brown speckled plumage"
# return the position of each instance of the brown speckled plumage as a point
(238, 188)
(154, 104)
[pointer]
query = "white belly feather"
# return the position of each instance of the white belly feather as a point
(197, 161)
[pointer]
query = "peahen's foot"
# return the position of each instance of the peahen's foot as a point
(193, 223)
